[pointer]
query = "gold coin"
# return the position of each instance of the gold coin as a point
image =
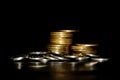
(57, 45)
(69, 30)
(60, 42)
(86, 44)
(61, 34)
(91, 45)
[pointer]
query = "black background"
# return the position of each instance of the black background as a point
(27, 29)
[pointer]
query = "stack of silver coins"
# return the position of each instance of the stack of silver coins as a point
(60, 41)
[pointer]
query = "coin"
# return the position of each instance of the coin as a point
(61, 34)
(69, 30)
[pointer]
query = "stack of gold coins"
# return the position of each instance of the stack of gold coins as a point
(82, 49)
(61, 37)
(60, 41)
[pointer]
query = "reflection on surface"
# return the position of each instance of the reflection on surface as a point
(70, 76)
(36, 65)
(89, 66)
(72, 66)
(58, 71)
(58, 66)
(18, 65)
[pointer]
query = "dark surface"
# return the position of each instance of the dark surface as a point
(57, 71)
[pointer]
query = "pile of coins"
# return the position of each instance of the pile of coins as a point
(60, 41)
(62, 47)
